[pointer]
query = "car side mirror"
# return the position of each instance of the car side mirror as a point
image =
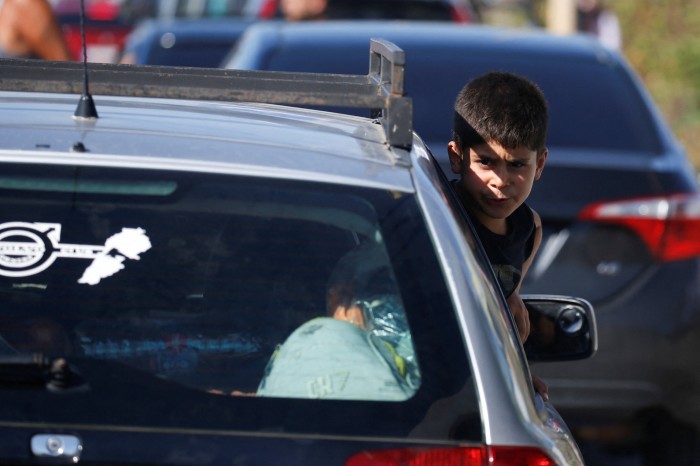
(562, 328)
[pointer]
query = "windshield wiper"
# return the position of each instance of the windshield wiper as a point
(36, 370)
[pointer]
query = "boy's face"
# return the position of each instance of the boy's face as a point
(495, 181)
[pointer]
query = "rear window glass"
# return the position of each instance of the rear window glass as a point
(231, 287)
(190, 54)
(592, 105)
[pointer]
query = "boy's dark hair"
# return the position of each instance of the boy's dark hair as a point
(501, 107)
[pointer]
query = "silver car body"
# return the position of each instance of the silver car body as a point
(273, 141)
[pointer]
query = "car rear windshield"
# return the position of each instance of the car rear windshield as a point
(593, 105)
(224, 295)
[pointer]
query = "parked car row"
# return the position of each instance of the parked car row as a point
(166, 266)
(108, 23)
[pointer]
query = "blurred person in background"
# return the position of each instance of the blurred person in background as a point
(593, 17)
(30, 29)
(302, 10)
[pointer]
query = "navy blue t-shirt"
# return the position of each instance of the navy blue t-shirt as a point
(507, 253)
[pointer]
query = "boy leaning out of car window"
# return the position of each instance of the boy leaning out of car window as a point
(498, 150)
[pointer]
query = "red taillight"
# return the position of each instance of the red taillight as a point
(518, 456)
(670, 226)
(268, 9)
(460, 14)
(102, 11)
(462, 456)
(106, 37)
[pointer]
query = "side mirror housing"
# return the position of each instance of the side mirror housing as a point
(562, 328)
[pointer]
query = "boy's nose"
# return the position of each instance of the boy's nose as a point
(499, 179)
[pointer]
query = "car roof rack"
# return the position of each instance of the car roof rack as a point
(381, 90)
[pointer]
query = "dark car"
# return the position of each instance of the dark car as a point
(188, 33)
(618, 198)
(174, 269)
(460, 11)
(108, 24)
(183, 41)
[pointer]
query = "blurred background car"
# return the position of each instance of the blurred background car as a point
(200, 42)
(206, 8)
(461, 11)
(200, 33)
(107, 23)
(619, 202)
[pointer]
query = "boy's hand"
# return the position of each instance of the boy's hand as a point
(520, 314)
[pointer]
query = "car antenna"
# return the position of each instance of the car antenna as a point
(86, 106)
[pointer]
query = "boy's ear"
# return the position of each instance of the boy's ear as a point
(541, 159)
(456, 157)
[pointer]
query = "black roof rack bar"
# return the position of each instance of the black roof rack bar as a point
(381, 89)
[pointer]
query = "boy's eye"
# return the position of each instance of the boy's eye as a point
(517, 164)
(485, 162)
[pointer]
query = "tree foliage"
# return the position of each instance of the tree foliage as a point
(661, 42)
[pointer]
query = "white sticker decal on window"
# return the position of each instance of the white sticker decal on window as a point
(128, 244)
(29, 248)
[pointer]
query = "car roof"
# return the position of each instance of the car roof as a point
(148, 120)
(162, 133)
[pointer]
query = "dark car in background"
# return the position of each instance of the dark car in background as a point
(109, 23)
(460, 11)
(200, 34)
(201, 42)
(618, 198)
